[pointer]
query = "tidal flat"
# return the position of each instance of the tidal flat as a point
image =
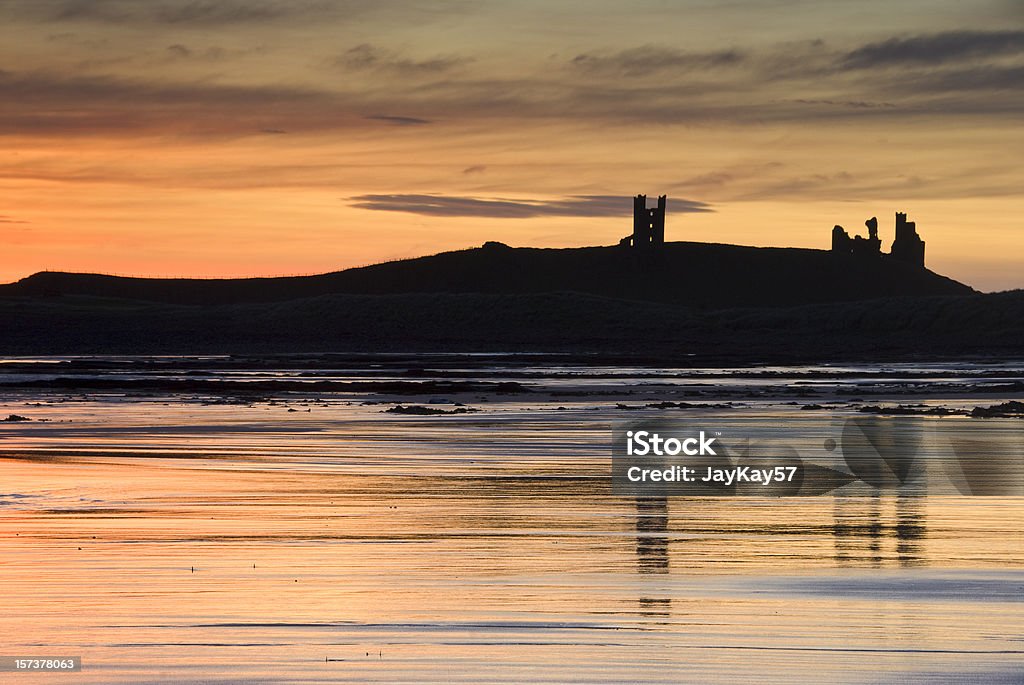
(275, 520)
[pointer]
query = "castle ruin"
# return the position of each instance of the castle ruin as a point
(907, 246)
(648, 224)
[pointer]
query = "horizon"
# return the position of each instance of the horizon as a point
(261, 139)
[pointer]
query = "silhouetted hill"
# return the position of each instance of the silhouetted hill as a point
(692, 274)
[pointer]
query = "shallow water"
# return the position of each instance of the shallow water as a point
(165, 538)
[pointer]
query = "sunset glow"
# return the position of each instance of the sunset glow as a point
(232, 138)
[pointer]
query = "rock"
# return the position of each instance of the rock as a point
(1006, 409)
(426, 411)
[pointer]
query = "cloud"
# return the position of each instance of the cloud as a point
(4, 219)
(475, 169)
(399, 120)
(215, 53)
(818, 185)
(199, 13)
(179, 50)
(455, 206)
(366, 57)
(650, 59)
(712, 179)
(988, 77)
(854, 104)
(48, 104)
(804, 82)
(227, 14)
(936, 48)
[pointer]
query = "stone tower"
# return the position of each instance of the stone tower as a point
(648, 224)
(908, 246)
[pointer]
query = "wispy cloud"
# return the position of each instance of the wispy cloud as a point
(43, 103)
(174, 12)
(398, 120)
(4, 219)
(853, 104)
(213, 53)
(650, 59)
(895, 77)
(370, 57)
(461, 206)
(802, 82)
(936, 48)
(973, 79)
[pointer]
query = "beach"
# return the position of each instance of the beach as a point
(218, 532)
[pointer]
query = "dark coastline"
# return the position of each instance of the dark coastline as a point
(688, 304)
(593, 329)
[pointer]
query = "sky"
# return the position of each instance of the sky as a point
(221, 138)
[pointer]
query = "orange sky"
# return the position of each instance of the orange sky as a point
(231, 138)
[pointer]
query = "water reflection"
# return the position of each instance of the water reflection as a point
(910, 530)
(874, 529)
(652, 535)
(652, 553)
(879, 529)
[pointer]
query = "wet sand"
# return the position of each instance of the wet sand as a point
(289, 536)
